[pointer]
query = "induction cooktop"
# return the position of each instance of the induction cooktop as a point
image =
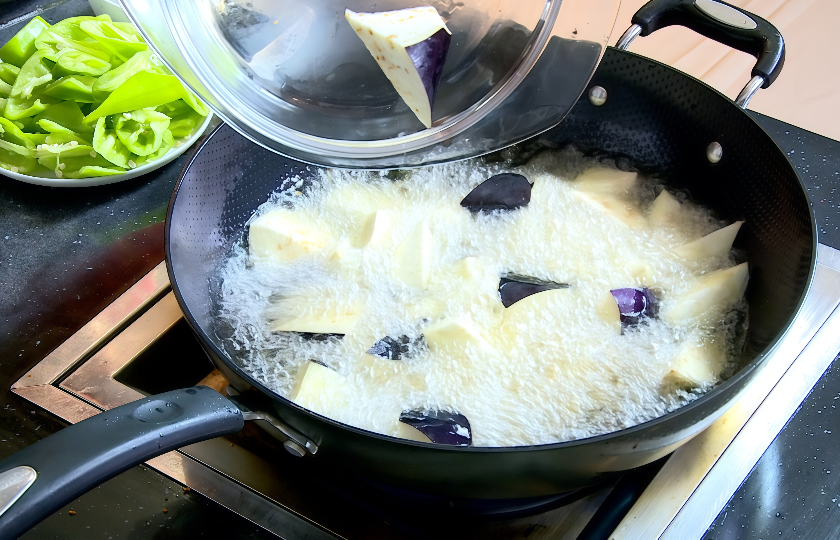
(141, 345)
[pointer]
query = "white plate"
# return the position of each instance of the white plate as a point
(102, 180)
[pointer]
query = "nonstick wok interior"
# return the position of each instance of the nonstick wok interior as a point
(660, 120)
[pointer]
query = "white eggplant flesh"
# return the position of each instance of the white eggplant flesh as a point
(552, 305)
(376, 228)
(607, 310)
(451, 334)
(407, 432)
(716, 244)
(619, 210)
(722, 288)
(282, 236)
(410, 45)
(321, 390)
(413, 257)
(664, 209)
(605, 180)
(695, 364)
(330, 318)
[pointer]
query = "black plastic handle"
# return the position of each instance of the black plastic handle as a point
(84, 455)
(764, 41)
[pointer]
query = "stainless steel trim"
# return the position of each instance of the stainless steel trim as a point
(627, 38)
(749, 91)
(98, 330)
(673, 488)
(238, 498)
(746, 449)
(726, 14)
(13, 484)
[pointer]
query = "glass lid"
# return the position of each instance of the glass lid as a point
(348, 84)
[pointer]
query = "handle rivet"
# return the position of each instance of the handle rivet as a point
(294, 448)
(714, 152)
(598, 95)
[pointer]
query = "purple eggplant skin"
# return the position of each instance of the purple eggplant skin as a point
(441, 427)
(428, 58)
(635, 304)
(515, 287)
(505, 191)
(396, 349)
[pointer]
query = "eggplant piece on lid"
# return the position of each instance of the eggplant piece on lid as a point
(410, 45)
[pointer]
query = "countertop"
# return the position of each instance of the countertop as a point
(67, 253)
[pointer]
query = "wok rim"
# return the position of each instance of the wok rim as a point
(756, 363)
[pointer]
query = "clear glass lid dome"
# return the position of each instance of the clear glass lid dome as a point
(293, 75)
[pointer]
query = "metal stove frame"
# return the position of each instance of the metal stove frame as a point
(76, 381)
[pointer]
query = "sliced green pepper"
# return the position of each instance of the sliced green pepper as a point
(65, 150)
(34, 74)
(37, 138)
(66, 115)
(184, 119)
(112, 80)
(92, 171)
(141, 131)
(68, 34)
(22, 45)
(121, 39)
(2, 104)
(140, 91)
(8, 73)
(5, 89)
(196, 104)
(167, 142)
(78, 88)
(79, 166)
(9, 132)
(73, 62)
(27, 125)
(105, 142)
(64, 137)
(17, 108)
(17, 152)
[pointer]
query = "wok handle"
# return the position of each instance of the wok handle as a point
(723, 23)
(43, 477)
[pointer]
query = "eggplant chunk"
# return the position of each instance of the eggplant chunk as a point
(716, 244)
(439, 427)
(514, 287)
(413, 257)
(635, 304)
(450, 333)
(396, 349)
(376, 227)
(410, 45)
(695, 364)
(283, 235)
(314, 319)
(604, 180)
(610, 205)
(321, 390)
(721, 288)
(505, 191)
(664, 209)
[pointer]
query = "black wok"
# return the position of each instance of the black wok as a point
(659, 119)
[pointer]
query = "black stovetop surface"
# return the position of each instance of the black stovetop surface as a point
(65, 254)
